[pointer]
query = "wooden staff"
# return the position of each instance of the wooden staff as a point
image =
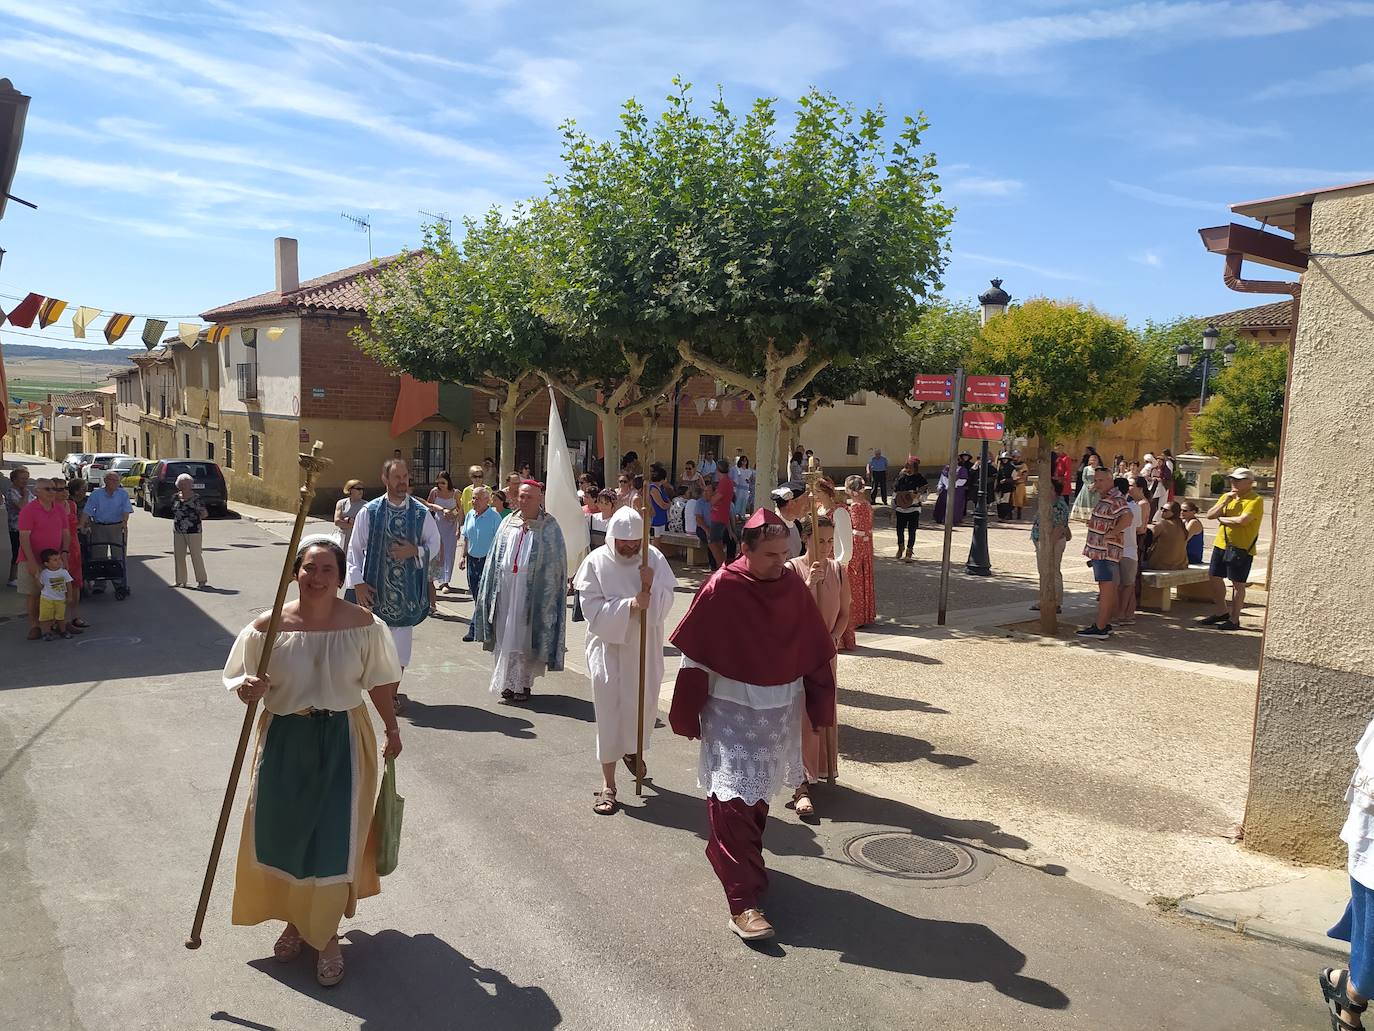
(646, 511)
(830, 736)
(313, 465)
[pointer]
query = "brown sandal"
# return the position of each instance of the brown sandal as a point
(329, 972)
(605, 804)
(801, 802)
(288, 946)
(643, 766)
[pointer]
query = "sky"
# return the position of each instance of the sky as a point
(1082, 143)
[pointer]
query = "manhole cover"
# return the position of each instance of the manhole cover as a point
(910, 855)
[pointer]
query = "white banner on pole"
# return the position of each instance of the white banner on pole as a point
(560, 492)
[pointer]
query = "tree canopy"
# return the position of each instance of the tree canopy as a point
(761, 259)
(1244, 418)
(1162, 381)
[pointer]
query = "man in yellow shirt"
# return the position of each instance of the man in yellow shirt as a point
(1239, 512)
(477, 475)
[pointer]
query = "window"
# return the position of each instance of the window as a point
(210, 450)
(431, 456)
(859, 397)
(147, 399)
(248, 381)
(255, 454)
(852, 447)
(147, 445)
(228, 450)
(185, 445)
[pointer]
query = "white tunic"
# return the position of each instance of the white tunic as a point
(516, 666)
(608, 584)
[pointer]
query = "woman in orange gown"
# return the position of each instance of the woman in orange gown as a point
(863, 607)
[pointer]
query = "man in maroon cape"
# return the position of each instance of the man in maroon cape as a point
(754, 651)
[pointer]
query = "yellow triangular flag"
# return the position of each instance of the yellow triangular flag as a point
(275, 333)
(188, 331)
(117, 327)
(81, 318)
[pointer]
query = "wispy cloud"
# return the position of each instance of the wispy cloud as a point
(1168, 200)
(1026, 266)
(977, 39)
(1276, 176)
(257, 86)
(1332, 81)
(983, 186)
(1148, 258)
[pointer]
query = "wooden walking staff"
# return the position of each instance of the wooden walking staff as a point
(647, 512)
(313, 465)
(830, 736)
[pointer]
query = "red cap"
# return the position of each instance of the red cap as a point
(763, 517)
(532, 483)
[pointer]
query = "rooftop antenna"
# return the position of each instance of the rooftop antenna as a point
(361, 222)
(439, 216)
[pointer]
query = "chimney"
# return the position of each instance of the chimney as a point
(288, 267)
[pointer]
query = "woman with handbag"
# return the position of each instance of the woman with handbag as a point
(308, 851)
(907, 494)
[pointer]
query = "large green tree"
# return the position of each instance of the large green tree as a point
(1070, 366)
(761, 259)
(1162, 380)
(470, 316)
(1244, 418)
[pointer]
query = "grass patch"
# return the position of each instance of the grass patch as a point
(38, 390)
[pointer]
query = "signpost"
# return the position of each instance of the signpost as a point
(934, 388)
(987, 390)
(984, 425)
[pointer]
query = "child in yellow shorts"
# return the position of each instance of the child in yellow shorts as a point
(52, 598)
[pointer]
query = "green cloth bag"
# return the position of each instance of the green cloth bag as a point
(386, 821)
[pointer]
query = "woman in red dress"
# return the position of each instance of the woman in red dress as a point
(863, 606)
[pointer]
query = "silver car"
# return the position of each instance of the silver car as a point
(100, 464)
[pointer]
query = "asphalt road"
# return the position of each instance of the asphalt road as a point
(514, 906)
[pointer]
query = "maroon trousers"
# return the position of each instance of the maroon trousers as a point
(735, 849)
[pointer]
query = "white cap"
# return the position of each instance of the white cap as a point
(1240, 473)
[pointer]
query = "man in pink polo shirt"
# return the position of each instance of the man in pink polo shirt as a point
(43, 524)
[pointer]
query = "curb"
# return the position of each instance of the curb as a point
(1262, 930)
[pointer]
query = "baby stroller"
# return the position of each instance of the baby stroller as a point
(104, 557)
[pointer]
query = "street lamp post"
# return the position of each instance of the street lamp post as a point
(992, 303)
(1185, 352)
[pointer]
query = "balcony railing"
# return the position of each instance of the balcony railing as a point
(248, 381)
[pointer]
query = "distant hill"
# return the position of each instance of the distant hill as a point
(113, 357)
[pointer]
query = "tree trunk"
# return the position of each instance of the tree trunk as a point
(505, 459)
(1178, 430)
(1044, 506)
(610, 444)
(918, 416)
(649, 440)
(769, 418)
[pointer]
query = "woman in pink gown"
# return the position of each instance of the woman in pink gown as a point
(820, 748)
(863, 607)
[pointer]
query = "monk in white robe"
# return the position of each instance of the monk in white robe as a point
(615, 590)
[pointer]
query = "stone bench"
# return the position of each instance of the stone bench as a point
(692, 548)
(1157, 586)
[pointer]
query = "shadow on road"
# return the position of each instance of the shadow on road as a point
(398, 980)
(880, 746)
(865, 652)
(887, 703)
(869, 934)
(467, 718)
(561, 705)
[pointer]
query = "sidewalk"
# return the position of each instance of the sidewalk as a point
(1297, 912)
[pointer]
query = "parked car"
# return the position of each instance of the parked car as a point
(160, 483)
(132, 480)
(95, 470)
(71, 465)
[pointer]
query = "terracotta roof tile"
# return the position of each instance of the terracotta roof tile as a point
(338, 291)
(1278, 315)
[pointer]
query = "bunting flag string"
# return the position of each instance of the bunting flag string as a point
(81, 318)
(117, 326)
(50, 311)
